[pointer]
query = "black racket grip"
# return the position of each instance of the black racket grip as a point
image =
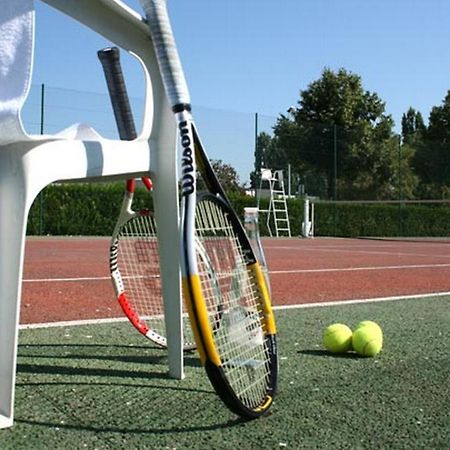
(110, 60)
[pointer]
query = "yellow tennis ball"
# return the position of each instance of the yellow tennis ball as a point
(373, 325)
(367, 340)
(337, 338)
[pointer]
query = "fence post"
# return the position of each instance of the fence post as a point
(41, 194)
(335, 160)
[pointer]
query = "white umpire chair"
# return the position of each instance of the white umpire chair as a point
(29, 163)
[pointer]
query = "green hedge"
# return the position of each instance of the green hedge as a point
(93, 208)
(353, 220)
(80, 209)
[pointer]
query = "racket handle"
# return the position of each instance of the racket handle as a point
(110, 60)
(167, 54)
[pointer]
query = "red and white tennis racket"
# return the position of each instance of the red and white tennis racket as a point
(134, 252)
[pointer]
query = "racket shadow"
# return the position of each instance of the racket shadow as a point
(136, 431)
(204, 415)
(326, 354)
(69, 386)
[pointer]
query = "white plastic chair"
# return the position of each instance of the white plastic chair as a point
(29, 163)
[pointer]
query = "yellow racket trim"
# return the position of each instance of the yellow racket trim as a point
(265, 405)
(266, 304)
(199, 320)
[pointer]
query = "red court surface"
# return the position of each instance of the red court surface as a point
(68, 278)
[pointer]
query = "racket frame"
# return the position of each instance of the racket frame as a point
(192, 152)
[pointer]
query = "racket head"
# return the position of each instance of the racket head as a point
(135, 272)
(239, 350)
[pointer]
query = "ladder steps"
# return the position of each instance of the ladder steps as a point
(277, 206)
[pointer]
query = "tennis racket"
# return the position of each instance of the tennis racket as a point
(239, 351)
(134, 255)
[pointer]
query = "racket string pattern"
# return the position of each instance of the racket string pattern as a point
(135, 270)
(239, 336)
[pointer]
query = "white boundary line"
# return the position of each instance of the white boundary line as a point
(72, 323)
(272, 272)
(361, 300)
(355, 269)
(365, 251)
(63, 280)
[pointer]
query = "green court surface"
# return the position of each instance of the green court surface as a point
(103, 387)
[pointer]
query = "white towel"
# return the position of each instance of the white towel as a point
(79, 131)
(16, 60)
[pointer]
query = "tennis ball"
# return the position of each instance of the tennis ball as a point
(367, 340)
(373, 325)
(337, 338)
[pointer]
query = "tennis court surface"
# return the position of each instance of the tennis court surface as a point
(68, 278)
(103, 386)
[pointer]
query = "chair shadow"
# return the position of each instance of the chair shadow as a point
(38, 351)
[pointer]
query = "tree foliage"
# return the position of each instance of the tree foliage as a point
(413, 126)
(339, 140)
(340, 132)
(227, 176)
(432, 153)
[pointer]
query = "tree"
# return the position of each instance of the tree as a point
(227, 175)
(432, 153)
(413, 126)
(338, 127)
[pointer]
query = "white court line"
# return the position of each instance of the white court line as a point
(67, 280)
(272, 272)
(63, 280)
(362, 300)
(349, 250)
(72, 323)
(355, 269)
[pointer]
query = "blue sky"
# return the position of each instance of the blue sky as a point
(247, 56)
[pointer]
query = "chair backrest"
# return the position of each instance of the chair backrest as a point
(16, 56)
(112, 19)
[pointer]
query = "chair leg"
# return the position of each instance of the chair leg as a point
(166, 213)
(13, 218)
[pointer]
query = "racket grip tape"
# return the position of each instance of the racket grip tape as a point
(110, 60)
(167, 54)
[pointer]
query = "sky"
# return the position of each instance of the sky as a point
(243, 57)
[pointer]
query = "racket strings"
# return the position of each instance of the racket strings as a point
(138, 264)
(226, 281)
